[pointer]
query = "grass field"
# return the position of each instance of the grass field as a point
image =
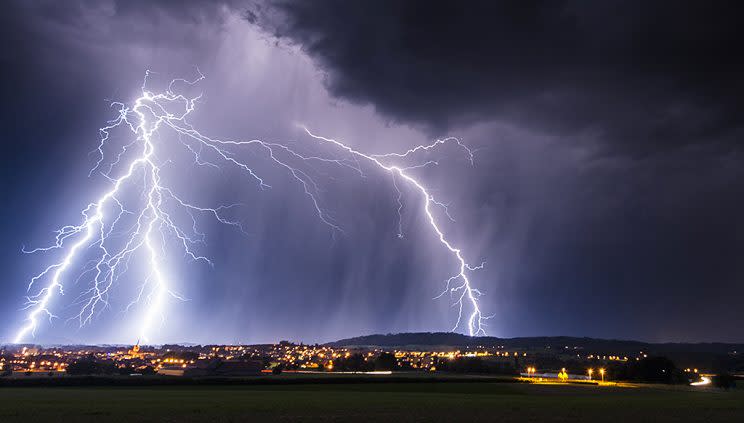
(365, 402)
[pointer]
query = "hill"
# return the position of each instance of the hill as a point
(449, 339)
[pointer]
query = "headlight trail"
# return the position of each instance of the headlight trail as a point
(103, 233)
(704, 380)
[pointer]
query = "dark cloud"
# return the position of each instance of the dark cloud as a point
(605, 196)
(630, 210)
(643, 76)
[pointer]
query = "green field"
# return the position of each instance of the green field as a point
(369, 402)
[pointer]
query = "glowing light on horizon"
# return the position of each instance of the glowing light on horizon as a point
(154, 223)
(704, 380)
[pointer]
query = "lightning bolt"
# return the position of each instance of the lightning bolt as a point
(103, 233)
(466, 292)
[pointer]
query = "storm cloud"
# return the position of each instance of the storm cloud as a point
(605, 196)
(634, 190)
(642, 76)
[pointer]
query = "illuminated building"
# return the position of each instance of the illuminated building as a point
(134, 352)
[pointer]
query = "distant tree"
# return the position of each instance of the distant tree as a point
(652, 369)
(353, 363)
(729, 364)
(148, 370)
(107, 368)
(83, 366)
(385, 361)
(126, 370)
(266, 360)
(724, 381)
(277, 370)
(7, 369)
(462, 365)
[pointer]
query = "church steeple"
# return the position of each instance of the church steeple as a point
(135, 351)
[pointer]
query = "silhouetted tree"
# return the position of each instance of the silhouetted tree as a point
(126, 370)
(277, 370)
(83, 366)
(354, 363)
(652, 369)
(724, 381)
(477, 365)
(107, 368)
(385, 361)
(149, 370)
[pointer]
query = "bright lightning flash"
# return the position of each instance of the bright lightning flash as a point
(114, 244)
(475, 323)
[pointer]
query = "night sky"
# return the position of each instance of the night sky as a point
(605, 197)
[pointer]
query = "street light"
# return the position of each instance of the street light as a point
(590, 371)
(602, 372)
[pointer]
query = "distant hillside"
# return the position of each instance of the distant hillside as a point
(444, 339)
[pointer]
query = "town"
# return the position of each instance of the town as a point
(547, 363)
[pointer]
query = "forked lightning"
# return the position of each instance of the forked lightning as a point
(103, 234)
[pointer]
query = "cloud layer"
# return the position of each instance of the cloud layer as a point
(605, 196)
(641, 76)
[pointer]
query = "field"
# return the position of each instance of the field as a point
(391, 402)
